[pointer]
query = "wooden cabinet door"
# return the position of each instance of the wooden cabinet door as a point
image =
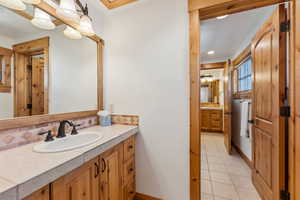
(227, 107)
(268, 51)
(111, 175)
(205, 120)
(81, 184)
(41, 194)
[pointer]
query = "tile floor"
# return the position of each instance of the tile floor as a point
(223, 176)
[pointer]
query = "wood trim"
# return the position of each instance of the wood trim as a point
(243, 156)
(213, 8)
(5, 51)
(100, 87)
(242, 56)
(29, 17)
(292, 126)
(295, 94)
(33, 45)
(242, 95)
(140, 196)
(194, 40)
(218, 65)
(116, 3)
(40, 119)
(5, 89)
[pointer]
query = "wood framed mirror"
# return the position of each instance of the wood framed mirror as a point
(52, 77)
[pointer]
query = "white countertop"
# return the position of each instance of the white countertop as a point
(211, 108)
(23, 171)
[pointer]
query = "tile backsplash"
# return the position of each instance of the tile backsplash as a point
(20, 136)
(12, 138)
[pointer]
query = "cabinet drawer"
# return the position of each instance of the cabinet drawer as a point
(129, 148)
(129, 171)
(216, 116)
(129, 191)
(216, 123)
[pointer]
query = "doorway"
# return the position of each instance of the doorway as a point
(31, 76)
(268, 123)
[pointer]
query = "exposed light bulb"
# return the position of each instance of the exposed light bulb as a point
(211, 52)
(72, 33)
(32, 1)
(86, 27)
(67, 10)
(222, 17)
(13, 4)
(42, 20)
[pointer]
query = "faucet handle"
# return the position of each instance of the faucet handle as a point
(74, 130)
(49, 136)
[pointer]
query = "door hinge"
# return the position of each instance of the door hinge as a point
(285, 26)
(285, 111)
(285, 195)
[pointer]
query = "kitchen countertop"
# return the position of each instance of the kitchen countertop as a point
(23, 171)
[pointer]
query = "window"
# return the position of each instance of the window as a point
(244, 74)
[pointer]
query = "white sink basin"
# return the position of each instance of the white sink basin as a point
(68, 143)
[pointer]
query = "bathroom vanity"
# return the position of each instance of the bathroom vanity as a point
(212, 119)
(103, 170)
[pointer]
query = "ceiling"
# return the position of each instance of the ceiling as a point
(229, 36)
(14, 26)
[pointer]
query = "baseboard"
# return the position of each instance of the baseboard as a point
(139, 196)
(243, 156)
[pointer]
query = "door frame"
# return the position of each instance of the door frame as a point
(205, 9)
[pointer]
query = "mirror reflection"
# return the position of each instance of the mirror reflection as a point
(211, 87)
(46, 67)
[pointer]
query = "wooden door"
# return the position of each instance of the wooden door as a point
(227, 107)
(37, 85)
(41, 194)
(268, 51)
(21, 89)
(81, 184)
(111, 175)
(296, 83)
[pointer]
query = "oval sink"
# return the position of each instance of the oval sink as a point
(68, 143)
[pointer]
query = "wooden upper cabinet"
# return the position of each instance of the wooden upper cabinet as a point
(42, 194)
(111, 174)
(81, 184)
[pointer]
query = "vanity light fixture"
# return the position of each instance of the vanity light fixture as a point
(13, 4)
(222, 17)
(85, 26)
(42, 20)
(67, 10)
(35, 2)
(211, 52)
(72, 33)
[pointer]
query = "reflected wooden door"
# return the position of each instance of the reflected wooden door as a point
(268, 51)
(37, 86)
(21, 89)
(227, 107)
